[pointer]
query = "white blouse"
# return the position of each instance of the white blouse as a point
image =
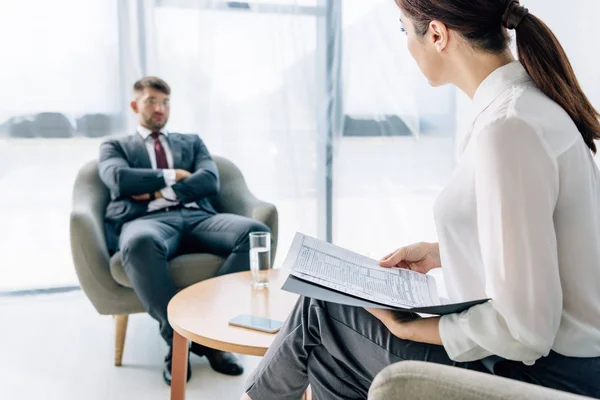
(519, 223)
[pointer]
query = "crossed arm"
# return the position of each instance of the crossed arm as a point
(140, 183)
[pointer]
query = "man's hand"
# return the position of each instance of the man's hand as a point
(181, 174)
(147, 197)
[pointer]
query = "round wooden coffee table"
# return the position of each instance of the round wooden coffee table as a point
(201, 313)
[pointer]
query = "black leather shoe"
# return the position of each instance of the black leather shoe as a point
(221, 361)
(169, 364)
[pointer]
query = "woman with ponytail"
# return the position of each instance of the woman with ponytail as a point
(518, 223)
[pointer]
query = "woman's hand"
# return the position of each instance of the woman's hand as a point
(420, 257)
(424, 330)
(392, 320)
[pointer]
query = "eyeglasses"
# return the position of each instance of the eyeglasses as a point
(152, 101)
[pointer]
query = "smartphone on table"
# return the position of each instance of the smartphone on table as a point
(257, 323)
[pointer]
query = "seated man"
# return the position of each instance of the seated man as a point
(160, 183)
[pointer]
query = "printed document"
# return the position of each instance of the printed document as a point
(339, 269)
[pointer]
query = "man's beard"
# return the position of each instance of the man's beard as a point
(155, 126)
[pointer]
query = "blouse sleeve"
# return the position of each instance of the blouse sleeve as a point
(516, 190)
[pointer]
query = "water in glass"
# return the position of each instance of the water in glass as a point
(260, 264)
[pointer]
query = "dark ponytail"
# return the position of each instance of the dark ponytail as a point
(546, 61)
(483, 21)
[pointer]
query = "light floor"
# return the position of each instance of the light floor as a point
(56, 347)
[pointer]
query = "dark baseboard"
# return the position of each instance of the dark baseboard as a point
(392, 125)
(39, 292)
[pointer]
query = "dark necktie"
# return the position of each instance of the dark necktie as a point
(159, 150)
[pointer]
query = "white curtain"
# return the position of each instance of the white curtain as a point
(245, 81)
(248, 82)
(571, 23)
(389, 170)
(60, 64)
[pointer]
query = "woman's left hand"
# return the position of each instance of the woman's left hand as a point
(424, 330)
(390, 320)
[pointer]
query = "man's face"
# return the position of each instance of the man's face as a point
(152, 108)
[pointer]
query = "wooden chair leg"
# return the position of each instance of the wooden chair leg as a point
(120, 332)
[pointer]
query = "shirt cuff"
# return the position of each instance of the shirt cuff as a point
(456, 342)
(169, 194)
(170, 177)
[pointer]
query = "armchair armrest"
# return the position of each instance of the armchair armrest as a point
(424, 381)
(235, 197)
(267, 214)
(246, 204)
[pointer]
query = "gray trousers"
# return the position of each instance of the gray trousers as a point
(149, 242)
(339, 350)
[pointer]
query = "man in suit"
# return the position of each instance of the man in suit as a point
(160, 183)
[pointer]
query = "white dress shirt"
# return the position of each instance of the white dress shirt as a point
(169, 197)
(519, 222)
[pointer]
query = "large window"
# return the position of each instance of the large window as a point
(245, 82)
(60, 92)
(396, 150)
(572, 25)
(317, 101)
(59, 56)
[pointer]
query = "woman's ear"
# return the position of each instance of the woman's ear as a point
(439, 35)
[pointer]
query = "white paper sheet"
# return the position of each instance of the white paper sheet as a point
(334, 267)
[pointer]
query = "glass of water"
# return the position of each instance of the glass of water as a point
(260, 258)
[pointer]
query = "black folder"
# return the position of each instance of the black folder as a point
(318, 292)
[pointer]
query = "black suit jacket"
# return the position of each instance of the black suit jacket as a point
(126, 170)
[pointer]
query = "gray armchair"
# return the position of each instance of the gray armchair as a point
(102, 277)
(428, 381)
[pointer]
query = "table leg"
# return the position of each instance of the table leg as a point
(308, 394)
(179, 368)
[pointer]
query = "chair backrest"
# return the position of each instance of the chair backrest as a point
(88, 243)
(89, 189)
(232, 188)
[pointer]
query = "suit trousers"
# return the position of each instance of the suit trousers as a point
(149, 242)
(339, 349)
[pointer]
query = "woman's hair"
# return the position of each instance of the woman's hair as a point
(483, 23)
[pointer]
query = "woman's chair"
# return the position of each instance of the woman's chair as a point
(429, 381)
(102, 277)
